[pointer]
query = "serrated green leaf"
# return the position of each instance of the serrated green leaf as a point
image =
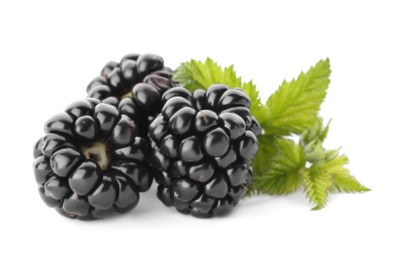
(262, 163)
(257, 109)
(278, 166)
(341, 178)
(316, 182)
(324, 131)
(312, 140)
(294, 106)
(200, 75)
(318, 132)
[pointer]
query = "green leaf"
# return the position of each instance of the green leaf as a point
(257, 109)
(278, 166)
(341, 178)
(200, 75)
(294, 106)
(312, 140)
(324, 131)
(329, 175)
(262, 163)
(317, 182)
(317, 132)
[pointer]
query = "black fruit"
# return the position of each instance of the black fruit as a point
(90, 163)
(134, 85)
(203, 145)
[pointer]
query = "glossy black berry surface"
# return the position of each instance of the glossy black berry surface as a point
(135, 85)
(202, 145)
(91, 162)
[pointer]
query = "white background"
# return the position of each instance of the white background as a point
(50, 50)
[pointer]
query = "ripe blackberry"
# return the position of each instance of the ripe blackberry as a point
(203, 144)
(135, 85)
(90, 162)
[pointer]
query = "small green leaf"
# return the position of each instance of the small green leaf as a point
(341, 178)
(324, 131)
(317, 182)
(294, 106)
(317, 132)
(257, 108)
(278, 166)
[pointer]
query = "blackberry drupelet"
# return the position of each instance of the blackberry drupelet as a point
(90, 162)
(202, 145)
(135, 85)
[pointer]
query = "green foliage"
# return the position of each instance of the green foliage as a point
(341, 178)
(316, 183)
(279, 162)
(294, 106)
(317, 131)
(281, 165)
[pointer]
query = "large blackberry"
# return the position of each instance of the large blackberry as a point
(203, 145)
(90, 162)
(135, 85)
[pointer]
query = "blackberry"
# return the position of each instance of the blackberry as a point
(90, 162)
(202, 145)
(135, 85)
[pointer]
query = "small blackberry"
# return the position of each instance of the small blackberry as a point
(135, 85)
(90, 162)
(203, 144)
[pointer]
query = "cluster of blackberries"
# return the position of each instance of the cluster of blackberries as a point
(137, 124)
